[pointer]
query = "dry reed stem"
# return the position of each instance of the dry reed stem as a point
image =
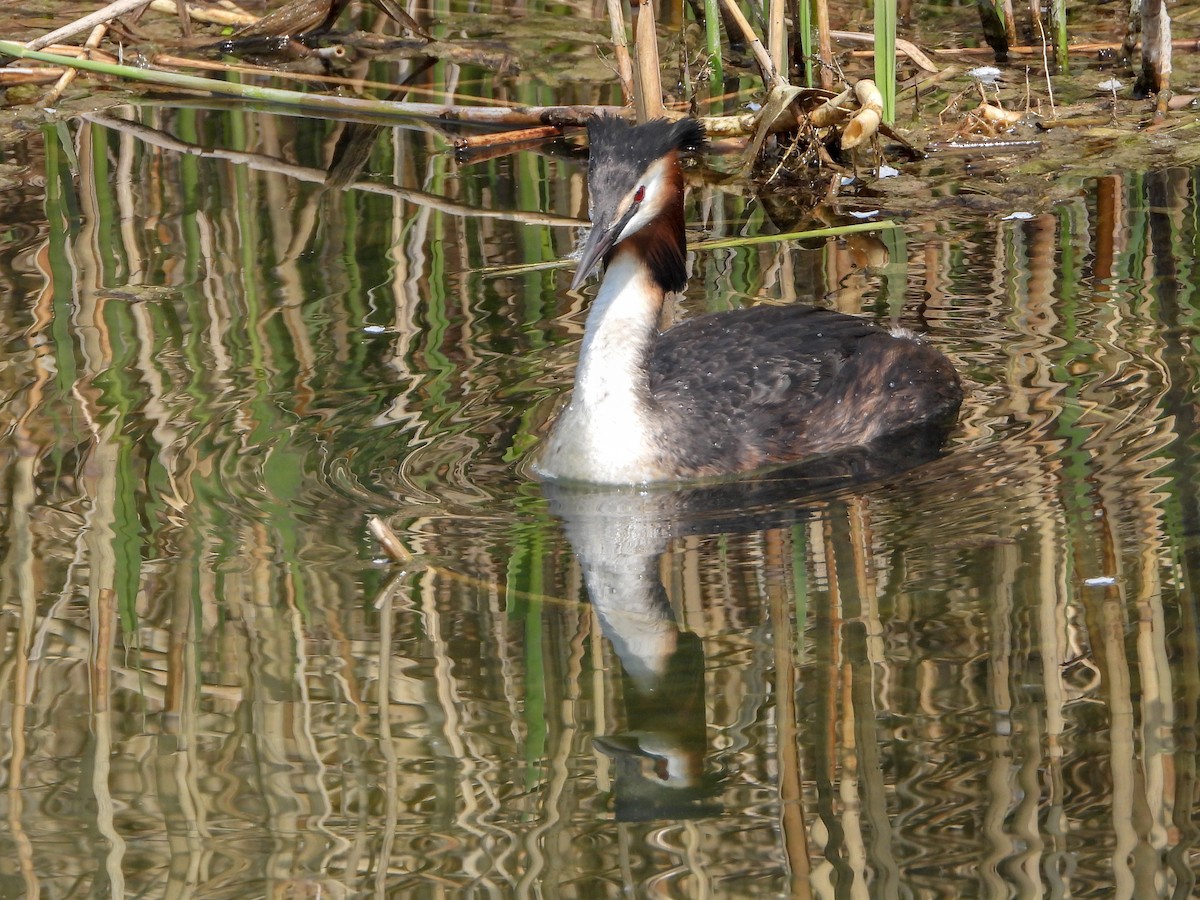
(507, 138)
(770, 74)
(648, 92)
(52, 96)
(389, 540)
(824, 43)
(1186, 44)
(13, 75)
(616, 22)
(1046, 70)
(777, 37)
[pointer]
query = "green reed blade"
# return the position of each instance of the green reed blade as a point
(712, 45)
(885, 56)
(804, 29)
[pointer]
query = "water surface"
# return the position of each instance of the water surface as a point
(979, 677)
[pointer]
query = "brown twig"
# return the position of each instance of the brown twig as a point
(506, 138)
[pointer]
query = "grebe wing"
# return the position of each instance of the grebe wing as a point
(777, 383)
(758, 357)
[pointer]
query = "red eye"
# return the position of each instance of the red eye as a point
(640, 195)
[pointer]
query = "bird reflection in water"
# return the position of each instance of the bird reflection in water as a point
(619, 534)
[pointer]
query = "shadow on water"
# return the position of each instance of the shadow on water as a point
(975, 675)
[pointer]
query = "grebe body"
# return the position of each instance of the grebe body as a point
(726, 392)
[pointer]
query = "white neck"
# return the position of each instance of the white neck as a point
(607, 432)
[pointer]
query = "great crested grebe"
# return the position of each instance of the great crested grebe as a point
(726, 392)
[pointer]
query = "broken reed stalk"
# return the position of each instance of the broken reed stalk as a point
(261, 162)
(389, 541)
(1188, 45)
(52, 96)
(376, 110)
(908, 48)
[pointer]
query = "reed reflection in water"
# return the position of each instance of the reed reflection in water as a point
(979, 676)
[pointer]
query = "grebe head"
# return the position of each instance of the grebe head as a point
(634, 181)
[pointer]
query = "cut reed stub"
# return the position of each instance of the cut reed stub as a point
(998, 115)
(865, 123)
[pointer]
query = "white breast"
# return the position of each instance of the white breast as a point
(608, 433)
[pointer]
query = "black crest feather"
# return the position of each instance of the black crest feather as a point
(618, 145)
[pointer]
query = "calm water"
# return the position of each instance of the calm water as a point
(977, 678)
